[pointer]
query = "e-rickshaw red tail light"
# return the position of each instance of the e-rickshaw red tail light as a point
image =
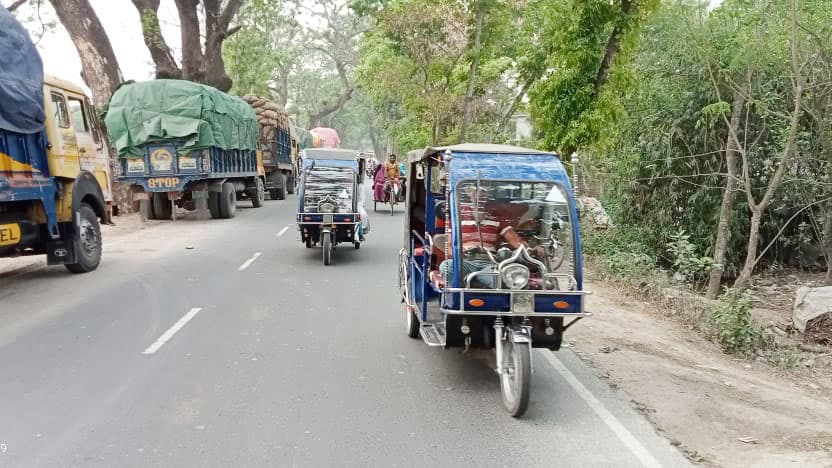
(476, 303)
(561, 305)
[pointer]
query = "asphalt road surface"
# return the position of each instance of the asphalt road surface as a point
(228, 343)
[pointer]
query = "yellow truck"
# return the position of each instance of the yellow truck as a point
(55, 181)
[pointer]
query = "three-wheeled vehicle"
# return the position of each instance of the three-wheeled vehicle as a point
(328, 210)
(491, 256)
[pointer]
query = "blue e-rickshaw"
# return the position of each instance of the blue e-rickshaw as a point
(491, 256)
(328, 197)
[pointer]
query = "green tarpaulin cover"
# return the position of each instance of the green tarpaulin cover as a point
(304, 137)
(196, 115)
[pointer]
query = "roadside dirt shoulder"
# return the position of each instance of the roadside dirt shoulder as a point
(124, 225)
(718, 410)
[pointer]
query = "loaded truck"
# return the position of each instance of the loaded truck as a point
(54, 168)
(278, 145)
(187, 145)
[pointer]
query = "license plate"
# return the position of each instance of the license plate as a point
(327, 219)
(522, 303)
(9, 234)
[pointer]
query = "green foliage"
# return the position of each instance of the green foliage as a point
(623, 251)
(414, 67)
(687, 263)
(570, 105)
(732, 325)
(252, 55)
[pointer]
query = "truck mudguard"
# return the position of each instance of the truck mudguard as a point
(86, 190)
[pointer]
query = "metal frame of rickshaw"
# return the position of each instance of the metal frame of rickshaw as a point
(429, 290)
(338, 219)
(512, 339)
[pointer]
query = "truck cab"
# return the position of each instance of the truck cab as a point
(55, 184)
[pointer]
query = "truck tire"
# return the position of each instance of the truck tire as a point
(290, 185)
(87, 241)
(147, 206)
(161, 206)
(273, 178)
(258, 194)
(281, 188)
(228, 201)
(214, 204)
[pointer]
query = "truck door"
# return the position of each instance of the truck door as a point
(63, 144)
(92, 155)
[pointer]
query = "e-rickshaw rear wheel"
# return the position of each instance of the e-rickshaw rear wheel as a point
(326, 247)
(515, 381)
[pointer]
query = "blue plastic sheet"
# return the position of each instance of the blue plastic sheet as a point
(21, 78)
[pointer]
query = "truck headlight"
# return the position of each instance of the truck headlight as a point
(516, 276)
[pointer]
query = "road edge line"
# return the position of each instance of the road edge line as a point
(623, 434)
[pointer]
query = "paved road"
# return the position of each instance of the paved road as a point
(276, 361)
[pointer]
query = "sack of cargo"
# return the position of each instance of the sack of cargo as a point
(21, 78)
(195, 115)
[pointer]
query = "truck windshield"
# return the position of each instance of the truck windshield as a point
(335, 182)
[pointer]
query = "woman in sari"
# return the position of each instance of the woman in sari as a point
(379, 178)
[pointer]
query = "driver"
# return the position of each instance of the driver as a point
(477, 242)
(392, 172)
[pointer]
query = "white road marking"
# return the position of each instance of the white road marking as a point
(283, 231)
(625, 436)
(171, 331)
(248, 262)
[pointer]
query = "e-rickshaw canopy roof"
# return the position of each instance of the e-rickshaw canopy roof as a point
(482, 148)
(331, 153)
(489, 161)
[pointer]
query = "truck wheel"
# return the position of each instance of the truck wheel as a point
(290, 185)
(161, 206)
(281, 189)
(228, 201)
(147, 207)
(258, 195)
(214, 204)
(273, 178)
(87, 241)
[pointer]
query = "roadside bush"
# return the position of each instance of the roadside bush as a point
(688, 265)
(731, 324)
(621, 251)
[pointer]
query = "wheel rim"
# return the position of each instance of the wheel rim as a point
(508, 379)
(88, 237)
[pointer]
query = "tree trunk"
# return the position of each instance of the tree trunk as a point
(821, 103)
(100, 70)
(192, 57)
(827, 243)
(151, 31)
(217, 30)
(612, 48)
(472, 78)
(723, 231)
(14, 6)
(751, 252)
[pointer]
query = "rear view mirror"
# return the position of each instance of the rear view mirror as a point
(420, 171)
